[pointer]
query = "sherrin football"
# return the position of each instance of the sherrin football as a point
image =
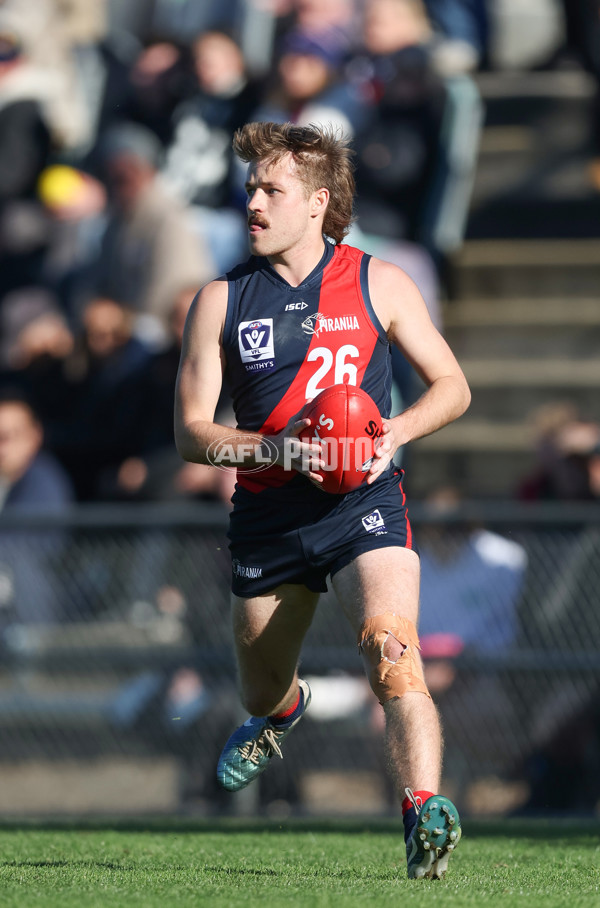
(348, 423)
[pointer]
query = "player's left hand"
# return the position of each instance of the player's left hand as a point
(384, 452)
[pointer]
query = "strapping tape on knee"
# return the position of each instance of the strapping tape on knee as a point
(392, 678)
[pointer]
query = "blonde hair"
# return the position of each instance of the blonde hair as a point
(323, 159)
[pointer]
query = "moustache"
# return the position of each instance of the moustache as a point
(255, 222)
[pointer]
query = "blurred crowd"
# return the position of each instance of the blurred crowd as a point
(120, 196)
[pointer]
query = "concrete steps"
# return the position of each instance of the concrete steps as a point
(524, 328)
(480, 473)
(538, 268)
(523, 314)
(533, 176)
(480, 435)
(485, 459)
(518, 353)
(550, 373)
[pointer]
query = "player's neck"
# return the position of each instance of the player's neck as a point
(295, 265)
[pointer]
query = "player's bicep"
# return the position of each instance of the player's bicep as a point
(424, 347)
(201, 366)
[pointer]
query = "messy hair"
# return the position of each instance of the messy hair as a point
(322, 157)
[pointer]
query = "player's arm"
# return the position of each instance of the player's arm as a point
(199, 382)
(200, 374)
(403, 313)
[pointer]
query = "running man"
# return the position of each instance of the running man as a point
(305, 312)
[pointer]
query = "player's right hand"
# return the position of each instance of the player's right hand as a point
(294, 453)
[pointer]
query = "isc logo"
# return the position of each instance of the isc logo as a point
(292, 307)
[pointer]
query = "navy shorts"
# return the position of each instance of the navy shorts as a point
(278, 536)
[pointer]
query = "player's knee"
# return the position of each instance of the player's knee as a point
(390, 647)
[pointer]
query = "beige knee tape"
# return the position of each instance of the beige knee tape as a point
(392, 679)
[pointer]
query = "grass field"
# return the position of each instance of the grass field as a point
(301, 863)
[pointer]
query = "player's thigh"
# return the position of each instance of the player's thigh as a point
(378, 581)
(268, 632)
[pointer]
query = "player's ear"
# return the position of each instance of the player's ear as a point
(320, 200)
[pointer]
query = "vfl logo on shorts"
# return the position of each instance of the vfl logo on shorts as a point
(374, 523)
(257, 348)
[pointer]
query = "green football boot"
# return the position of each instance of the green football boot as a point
(435, 836)
(249, 750)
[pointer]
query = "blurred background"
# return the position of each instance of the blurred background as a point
(476, 127)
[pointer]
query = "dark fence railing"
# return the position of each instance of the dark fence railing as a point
(116, 663)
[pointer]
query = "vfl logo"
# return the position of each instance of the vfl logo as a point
(257, 348)
(374, 523)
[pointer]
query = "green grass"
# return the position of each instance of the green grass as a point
(301, 863)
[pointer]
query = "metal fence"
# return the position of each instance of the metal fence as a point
(117, 682)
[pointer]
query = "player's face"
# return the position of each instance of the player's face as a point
(278, 208)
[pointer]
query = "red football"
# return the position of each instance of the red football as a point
(348, 423)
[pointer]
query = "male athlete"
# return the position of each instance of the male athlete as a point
(303, 313)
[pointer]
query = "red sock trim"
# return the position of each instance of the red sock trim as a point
(421, 796)
(289, 711)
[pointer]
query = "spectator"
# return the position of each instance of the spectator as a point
(100, 393)
(170, 710)
(159, 79)
(158, 571)
(199, 164)
(177, 20)
(75, 207)
(397, 149)
(23, 129)
(21, 311)
(462, 30)
(309, 86)
(30, 480)
(149, 248)
(333, 23)
(477, 577)
(476, 574)
(36, 342)
(30, 477)
(157, 472)
(565, 446)
(52, 33)
(25, 148)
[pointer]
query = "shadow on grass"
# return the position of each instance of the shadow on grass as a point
(104, 865)
(548, 828)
